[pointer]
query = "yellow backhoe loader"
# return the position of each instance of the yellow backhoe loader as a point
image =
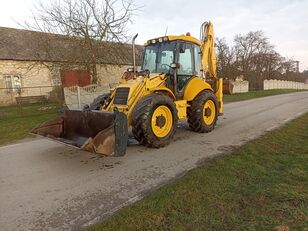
(177, 81)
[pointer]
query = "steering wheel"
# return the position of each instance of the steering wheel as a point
(164, 64)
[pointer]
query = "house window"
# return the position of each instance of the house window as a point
(12, 82)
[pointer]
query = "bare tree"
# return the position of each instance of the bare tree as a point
(254, 57)
(249, 48)
(88, 22)
(225, 60)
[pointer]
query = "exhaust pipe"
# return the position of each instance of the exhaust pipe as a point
(134, 55)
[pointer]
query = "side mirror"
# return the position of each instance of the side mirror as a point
(175, 65)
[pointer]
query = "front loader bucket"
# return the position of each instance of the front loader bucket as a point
(94, 131)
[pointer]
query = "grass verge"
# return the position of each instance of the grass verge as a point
(255, 94)
(261, 186)
(16, 122)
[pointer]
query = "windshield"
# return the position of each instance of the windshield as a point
(159, 56)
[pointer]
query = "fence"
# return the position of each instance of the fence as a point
(25, 107)
(240, 86)
(283, 84)
(24, 95)
(77, 97)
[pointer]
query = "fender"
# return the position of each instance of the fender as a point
(164, 90)
(194, 87)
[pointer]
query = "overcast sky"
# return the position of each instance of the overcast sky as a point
(285, 22)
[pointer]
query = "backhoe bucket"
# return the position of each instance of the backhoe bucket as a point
(94, 131)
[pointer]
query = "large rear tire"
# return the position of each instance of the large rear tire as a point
(203, 112)
(155, 120)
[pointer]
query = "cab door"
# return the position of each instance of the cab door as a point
(189, 60)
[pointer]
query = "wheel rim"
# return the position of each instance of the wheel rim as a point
(209, 112)
(161, 121)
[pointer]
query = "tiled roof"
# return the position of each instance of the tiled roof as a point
(17, 44)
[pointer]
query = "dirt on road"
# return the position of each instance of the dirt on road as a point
(48, 186)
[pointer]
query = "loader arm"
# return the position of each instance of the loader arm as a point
(208, 50)
(209, 61)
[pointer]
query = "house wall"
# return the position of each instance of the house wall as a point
(109, 74)
(32, 73)
(36, 79)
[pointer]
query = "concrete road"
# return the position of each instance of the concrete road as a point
(48, 186)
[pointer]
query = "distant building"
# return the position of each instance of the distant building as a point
(34, 63)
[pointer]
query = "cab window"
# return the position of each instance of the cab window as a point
(185, 59)
(198, 66)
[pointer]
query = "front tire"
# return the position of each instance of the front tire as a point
(155, 120)
(203, 112)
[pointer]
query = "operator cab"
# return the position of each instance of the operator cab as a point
(179, 59)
